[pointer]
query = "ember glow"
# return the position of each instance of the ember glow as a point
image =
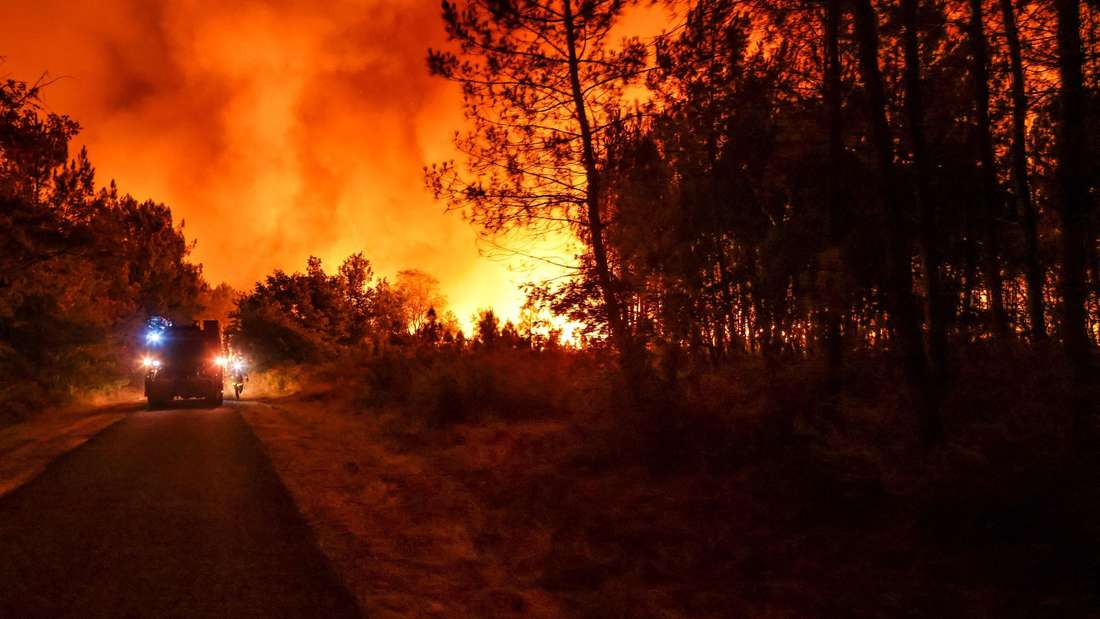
(275, 130)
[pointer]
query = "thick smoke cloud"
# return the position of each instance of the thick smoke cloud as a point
(276, 129)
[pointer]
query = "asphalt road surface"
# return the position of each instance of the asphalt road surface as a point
(165, 514)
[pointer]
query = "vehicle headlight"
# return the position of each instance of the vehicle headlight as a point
(149, 362)
(238, 365)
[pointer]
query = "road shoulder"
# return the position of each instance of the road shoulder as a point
(27, 447)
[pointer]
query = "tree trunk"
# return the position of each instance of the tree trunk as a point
(979, 73)
(914, 108)
(1034, 269)
(615, 318)
(899, 288)
(1073, 198)
(834, 305)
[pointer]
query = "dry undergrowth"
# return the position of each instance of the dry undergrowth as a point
(407, 536)
(737, 508)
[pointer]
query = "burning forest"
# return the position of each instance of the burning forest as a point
(547, 308)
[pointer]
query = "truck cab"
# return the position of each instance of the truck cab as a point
(183, 361)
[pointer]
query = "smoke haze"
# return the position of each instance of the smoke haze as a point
(275, 129)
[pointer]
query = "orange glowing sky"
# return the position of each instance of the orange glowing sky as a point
(275, 129)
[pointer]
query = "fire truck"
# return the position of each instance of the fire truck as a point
(183, 361)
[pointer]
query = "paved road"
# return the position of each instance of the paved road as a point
(165, 514)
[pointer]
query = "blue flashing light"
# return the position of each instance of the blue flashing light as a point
(153, 337)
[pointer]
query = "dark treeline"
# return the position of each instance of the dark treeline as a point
(80, 267)
(806, 180)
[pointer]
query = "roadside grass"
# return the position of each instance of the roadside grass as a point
(516, 484)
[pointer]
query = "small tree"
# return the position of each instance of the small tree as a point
(420, 294)
(430, 331)
(487, 333)
(356, 274)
